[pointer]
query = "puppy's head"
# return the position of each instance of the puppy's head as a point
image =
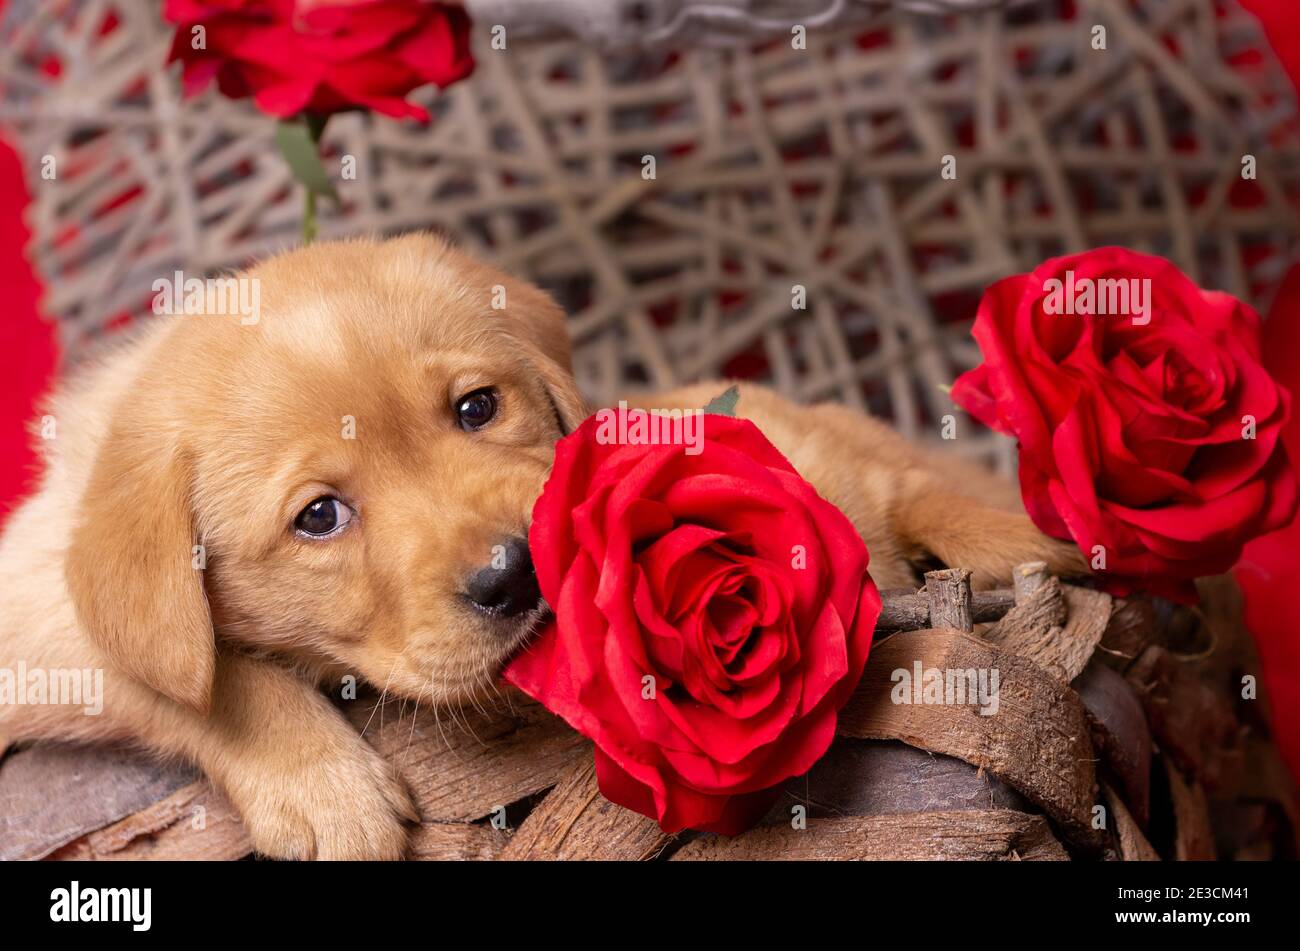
(346, 482)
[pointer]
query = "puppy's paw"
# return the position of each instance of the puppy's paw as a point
(346, 804)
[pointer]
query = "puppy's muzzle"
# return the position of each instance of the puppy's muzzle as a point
(508, 585)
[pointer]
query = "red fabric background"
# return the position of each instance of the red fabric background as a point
(1281, 20)
(27, 341)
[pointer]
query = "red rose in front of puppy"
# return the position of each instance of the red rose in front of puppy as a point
(1131, 430)
(713, 613)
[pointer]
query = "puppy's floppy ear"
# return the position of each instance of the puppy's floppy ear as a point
(130, 566)
(538, 323)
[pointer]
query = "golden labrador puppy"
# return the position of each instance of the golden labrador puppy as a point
(235, 513)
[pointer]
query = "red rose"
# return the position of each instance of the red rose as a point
(713, 613)
(1152, 433)
(321, 56)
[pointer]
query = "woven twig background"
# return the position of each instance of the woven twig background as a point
(775, 166)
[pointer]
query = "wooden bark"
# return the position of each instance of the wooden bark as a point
(904, 610)
(1028, 578)
(195, 822)
(1250, 831)
(53, 794)
(875, 777)
(949, 594)
(1266, 778)
(1038, 741)
(1089, 613)
(1057, 626)
(1193, 835)
(1120, 734)
(1133, 845)
(456, 842)
(1132, 626)
(1194, 724)
(1034, 625)
(463, 768)
(458, 770)
(575, 821)
(995, 834)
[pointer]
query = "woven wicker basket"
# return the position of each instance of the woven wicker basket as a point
(1123, 732)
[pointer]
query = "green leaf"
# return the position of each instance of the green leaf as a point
(724, 404)
(946, 388)
(300, 148)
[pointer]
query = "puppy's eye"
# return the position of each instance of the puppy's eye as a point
(475, 410)
(324, 516)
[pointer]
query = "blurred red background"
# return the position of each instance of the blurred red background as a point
(27, 341)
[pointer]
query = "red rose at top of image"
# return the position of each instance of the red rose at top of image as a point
(713, 613)
(1152, 433)
(321, 56)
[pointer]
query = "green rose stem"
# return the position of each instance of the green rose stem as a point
(308, 217)
(299, 141)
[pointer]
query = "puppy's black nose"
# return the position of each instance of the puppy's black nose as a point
(507, 586)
